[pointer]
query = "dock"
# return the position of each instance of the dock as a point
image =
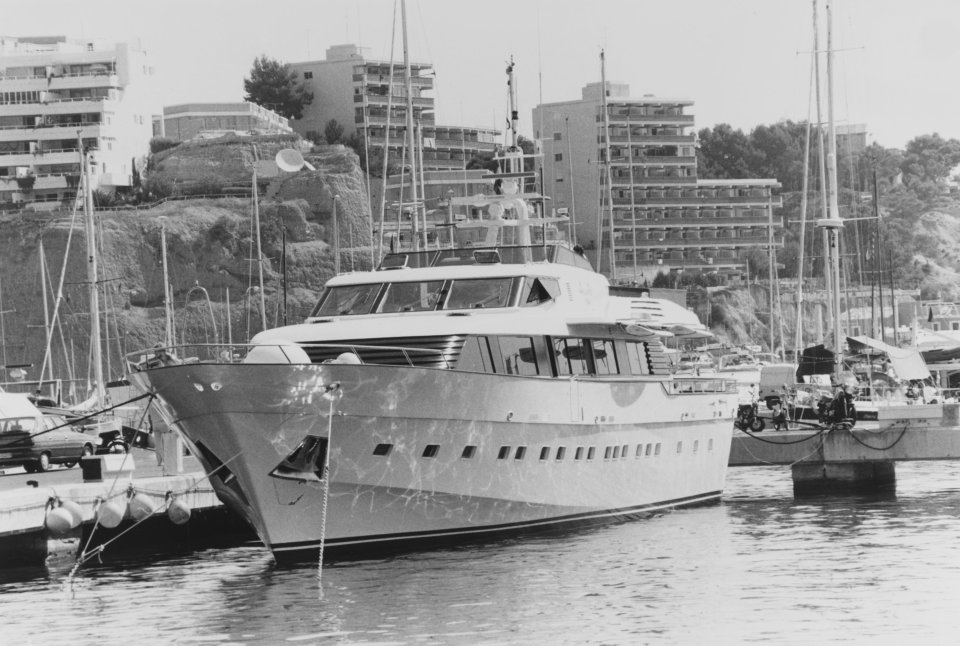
(860, 458)
(147, 507)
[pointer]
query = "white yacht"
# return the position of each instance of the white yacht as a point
(456, 393)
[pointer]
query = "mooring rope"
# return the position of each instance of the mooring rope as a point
(332, 391)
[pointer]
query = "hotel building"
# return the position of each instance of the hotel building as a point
(665, 218)
(55, 92)
(356, 90)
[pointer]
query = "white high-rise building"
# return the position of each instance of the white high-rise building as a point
(56, 92)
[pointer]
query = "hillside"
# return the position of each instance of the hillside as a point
(210, 244)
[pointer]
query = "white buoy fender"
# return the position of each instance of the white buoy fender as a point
(140, 506)
(76, 511)
(178, 512)
(111, 513)
(59, 521)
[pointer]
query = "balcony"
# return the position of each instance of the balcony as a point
(52, 181)
(55, 132)
(424, 82)
(662, 140)
(718, 243)
(712, 223)
(379, 99)
(641, 160)
(77, 81)
(657, 181)
(715, 201)
(58, 156)
(666, 119)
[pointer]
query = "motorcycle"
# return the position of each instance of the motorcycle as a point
(748, 419)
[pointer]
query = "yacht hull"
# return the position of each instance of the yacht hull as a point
(546, 454)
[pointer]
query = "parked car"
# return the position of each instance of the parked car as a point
(35, 441)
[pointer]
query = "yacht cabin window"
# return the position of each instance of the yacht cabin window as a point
(473, 293)
(410, 297)
(349, 299)
(478, 293)
(605, 357)
(637, 356)
(572, 356)
(519, 355)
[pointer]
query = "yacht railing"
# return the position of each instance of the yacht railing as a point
(288, 353)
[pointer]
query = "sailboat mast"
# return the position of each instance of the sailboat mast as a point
(833, 224)
(878, 259)
(820, 155)
(256, 223)
(170, 334)
(95, 353)
(46, 310)
(411, 141)
(798, 342)
(606, 156)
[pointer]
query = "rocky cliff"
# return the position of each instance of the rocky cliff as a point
(210, 245)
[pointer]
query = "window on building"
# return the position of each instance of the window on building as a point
(382, 449)
(558, 157)
(503, 453)
(308, 75)
(468, 452)
(557, 136)
(431, 450)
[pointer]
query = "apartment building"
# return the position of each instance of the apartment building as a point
(197, 120)
(357, 90)
(665, 218)
(56, 93)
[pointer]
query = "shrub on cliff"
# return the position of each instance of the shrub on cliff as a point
(159, 144)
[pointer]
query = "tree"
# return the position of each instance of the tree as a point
(333, 132)
(723, 153)
(274, 85)
(929, 158)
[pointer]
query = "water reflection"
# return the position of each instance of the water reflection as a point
(760, 567)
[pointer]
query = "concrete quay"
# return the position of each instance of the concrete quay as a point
(139, 498)
(861, 458)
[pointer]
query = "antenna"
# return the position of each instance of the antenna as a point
(290, 161)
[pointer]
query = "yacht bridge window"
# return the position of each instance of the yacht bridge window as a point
(422, 296)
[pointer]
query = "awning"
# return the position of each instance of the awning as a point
(907, 362)
(815, 360)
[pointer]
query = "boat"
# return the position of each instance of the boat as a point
(486, 387)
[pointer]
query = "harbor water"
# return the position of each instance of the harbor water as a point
(760, 567)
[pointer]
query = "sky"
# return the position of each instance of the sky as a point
(742, 62)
